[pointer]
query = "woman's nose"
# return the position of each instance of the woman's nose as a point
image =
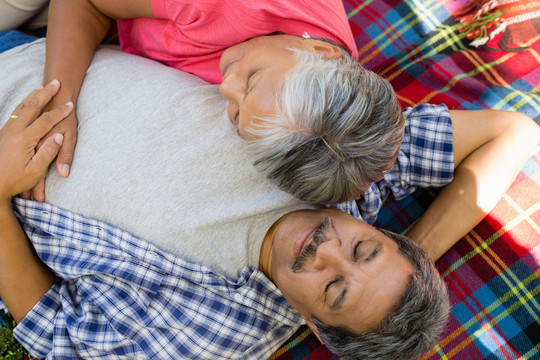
(330, 253)
(231, 87)
(232, 110)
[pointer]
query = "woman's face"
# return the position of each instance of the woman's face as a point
(252, 72)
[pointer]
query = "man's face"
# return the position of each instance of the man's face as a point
(332, 266)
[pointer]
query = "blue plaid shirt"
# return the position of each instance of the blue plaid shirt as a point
(426, 159)
(117, 296)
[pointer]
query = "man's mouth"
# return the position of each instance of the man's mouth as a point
(307, 242)
(302, 240)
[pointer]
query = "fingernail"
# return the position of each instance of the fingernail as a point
(59, 138)
(54, 82)
(69, 104)
(65, 170)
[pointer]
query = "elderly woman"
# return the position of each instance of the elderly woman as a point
(322, 127)
(274, 59)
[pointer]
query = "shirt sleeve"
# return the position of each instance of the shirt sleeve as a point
(88, 317)
(118, 296)
(40, 318)
(100, 289)
(425, 159)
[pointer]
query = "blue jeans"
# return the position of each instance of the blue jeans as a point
(12, 38)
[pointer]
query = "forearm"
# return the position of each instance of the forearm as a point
(480, 180)
(75, 29)
(24, 279)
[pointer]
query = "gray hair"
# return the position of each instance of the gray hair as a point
(337, 128)
(412, 329)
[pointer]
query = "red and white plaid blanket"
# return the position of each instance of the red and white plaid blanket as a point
(468, 55)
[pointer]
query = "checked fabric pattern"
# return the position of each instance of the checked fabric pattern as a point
(493, 272)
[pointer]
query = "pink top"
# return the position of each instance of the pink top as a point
(191, 35)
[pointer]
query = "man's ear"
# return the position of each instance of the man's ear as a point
(329, 51)
(313, 328)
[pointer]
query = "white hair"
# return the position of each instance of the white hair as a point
(337, 128)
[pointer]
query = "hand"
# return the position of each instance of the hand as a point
(68, 128)
(22, 165)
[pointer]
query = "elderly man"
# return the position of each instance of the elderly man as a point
(325, 261)
(184, 184)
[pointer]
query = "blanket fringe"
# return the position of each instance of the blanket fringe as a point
(482, 21)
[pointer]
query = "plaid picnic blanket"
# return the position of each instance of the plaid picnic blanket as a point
(436, 51)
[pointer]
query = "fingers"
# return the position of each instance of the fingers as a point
(65, 156)
(38, 192)
(43, 158)
(29, 109)
(26, 195)
(63, 165)
(47, 120)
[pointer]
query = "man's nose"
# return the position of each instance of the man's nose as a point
(330, 253)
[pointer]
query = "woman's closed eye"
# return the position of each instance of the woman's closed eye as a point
(252, 81)
(248, 79)
(236, 119)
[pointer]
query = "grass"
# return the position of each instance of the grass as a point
(10, 349)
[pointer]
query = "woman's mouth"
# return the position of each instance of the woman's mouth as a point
(226, 68)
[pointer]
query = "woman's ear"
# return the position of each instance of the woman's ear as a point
(329, 51)
(313, 328)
